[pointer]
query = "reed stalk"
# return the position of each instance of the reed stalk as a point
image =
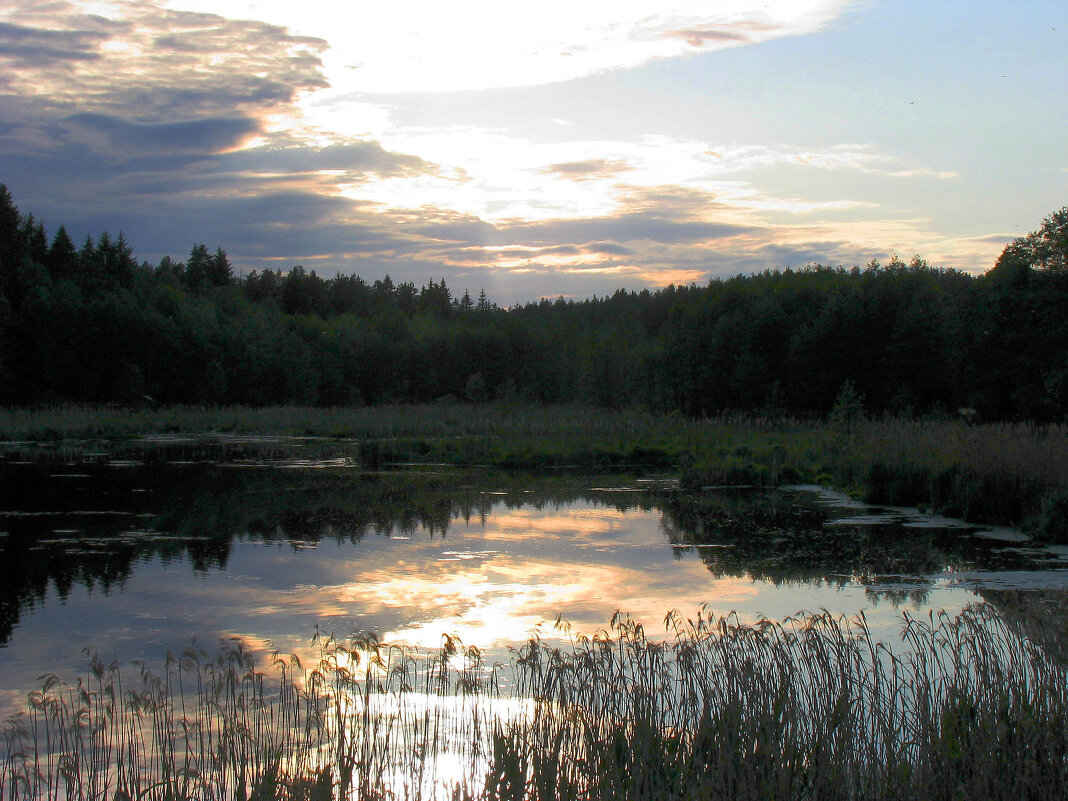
(808, 707)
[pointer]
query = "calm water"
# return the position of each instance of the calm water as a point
(135, 557)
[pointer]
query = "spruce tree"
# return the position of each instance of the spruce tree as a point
(10, 241)
(62, 257)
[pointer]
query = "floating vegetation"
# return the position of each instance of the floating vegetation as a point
(810, 707)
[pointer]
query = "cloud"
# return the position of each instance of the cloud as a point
(671, 215)
(349, 157)
(607, 248)
(918, 172)
(587, 170)
(429, 46)
(150, 64)
(210, 135)
(702, 38)
(27, 47)
(183, 125)
(994, 239)
(288, 225)
(838, 157)
(625, 227)
(163, 98)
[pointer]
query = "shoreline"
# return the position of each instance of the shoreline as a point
(995, 473)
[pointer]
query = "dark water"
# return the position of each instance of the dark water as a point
(135, 556)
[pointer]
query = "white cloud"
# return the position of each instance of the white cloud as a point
(478, 44)
(499, 176)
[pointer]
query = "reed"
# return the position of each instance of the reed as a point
(809, 707)
(997, 473)
(1004, 473)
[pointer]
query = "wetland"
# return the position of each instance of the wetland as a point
(138, 551)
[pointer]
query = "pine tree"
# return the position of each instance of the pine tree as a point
(85, 267)
(123, 265)
(220, 273)
(34, 239)
(10, 241)
(62, 257)
(198, 268)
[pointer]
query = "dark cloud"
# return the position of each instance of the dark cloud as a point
(607, 248)
(147, 121)
(774, 256)
(208, 33)
(164, 66)
(199, 96)
(353, 157)
(270, 229)
(668, 215)
(561, 250)
(587, 170)
(39, 47)
(291, 225)
(201, 136)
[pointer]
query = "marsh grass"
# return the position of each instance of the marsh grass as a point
(213, 726)
(995, 473)
(810, 707)
(1004, 473)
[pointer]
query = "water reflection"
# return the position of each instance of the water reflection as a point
(798, 537)
(135, 559)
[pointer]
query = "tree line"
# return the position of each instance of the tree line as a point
(91, 324)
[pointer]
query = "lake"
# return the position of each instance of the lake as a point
(134, 551)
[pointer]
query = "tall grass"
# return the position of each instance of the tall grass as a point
(810, 707)
(996, 473)
(360, 422)
(1012, 473)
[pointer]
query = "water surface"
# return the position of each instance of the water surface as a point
(135, 556)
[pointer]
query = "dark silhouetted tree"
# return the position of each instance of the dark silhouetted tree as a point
(407, 297)
(1045, 249)
(62, 256)
(198, 267)
(305, 293)
(465, 305)
(909, 338)
(34, 239)
(436, 299)
(219, 271)
(10, 241)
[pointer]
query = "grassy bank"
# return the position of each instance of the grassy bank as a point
(996, 473)
(808, 708)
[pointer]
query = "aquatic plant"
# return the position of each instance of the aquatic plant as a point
(809, 707)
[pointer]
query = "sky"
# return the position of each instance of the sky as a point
(539, 150)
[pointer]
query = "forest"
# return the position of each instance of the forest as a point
(91, 324)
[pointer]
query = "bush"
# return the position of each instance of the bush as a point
(1051, 524)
